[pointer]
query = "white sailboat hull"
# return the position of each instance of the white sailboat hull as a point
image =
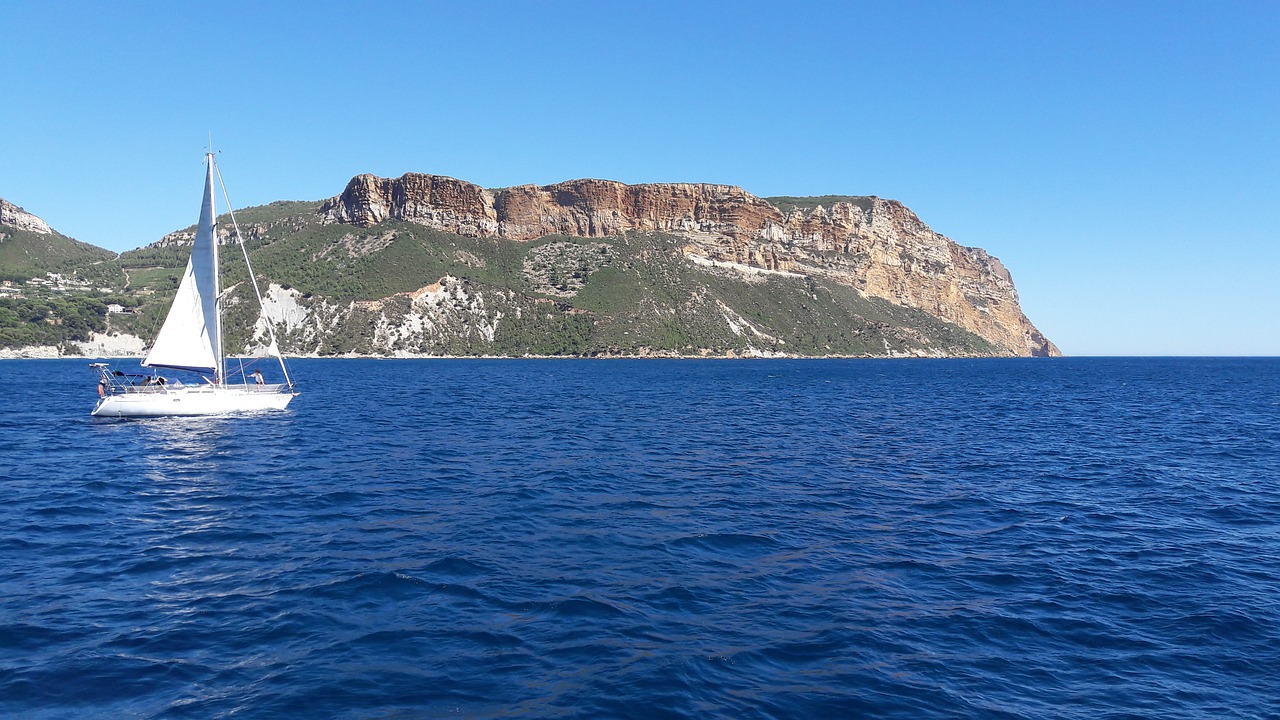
(199, 400)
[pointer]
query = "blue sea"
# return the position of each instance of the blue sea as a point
(1073, 538)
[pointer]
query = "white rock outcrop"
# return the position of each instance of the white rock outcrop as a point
(112, 345)
(16, 217)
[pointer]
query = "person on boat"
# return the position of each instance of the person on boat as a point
(257, 377)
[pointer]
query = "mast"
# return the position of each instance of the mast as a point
(221, 370)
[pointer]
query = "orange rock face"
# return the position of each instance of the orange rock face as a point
(878, 246)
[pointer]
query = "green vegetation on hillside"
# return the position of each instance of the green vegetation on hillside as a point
(51, 321)
(24, 255)
(634, 294)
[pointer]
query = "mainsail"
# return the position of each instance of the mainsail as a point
(191, 336)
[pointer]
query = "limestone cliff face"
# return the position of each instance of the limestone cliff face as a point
(878, 246)
(583, 208)
(16, 217)
(433, 200)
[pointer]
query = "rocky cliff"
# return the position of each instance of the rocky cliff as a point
(17, 218)
(876, 246)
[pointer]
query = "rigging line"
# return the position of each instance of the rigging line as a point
(271, 333)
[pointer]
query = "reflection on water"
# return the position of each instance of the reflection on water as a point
(168, 447)
(186, 444)
(183, 482)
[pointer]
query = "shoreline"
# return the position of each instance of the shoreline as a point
(8, 354)
(127, 347)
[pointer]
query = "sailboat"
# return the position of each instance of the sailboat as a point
(191, 340)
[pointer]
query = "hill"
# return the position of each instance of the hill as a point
(30, 248)
(50, 284)
(425, 265)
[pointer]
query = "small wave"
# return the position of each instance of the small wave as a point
(26, 636)
(456, 567)
(729, 543)
(675, 599)
(570, 607)
(489, 639)
(371, 587)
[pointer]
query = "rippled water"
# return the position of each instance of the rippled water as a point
(1080, 538)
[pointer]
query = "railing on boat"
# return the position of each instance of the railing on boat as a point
(120, 383)
(127, 389)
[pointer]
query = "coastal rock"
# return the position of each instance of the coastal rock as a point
(31, 352)
(878, 246)
(99, 345)
(112, 345)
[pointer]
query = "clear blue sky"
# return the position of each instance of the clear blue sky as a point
(1121, 158)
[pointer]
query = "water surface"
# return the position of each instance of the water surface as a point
(1078, 538)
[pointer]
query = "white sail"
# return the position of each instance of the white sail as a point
(189, 339)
